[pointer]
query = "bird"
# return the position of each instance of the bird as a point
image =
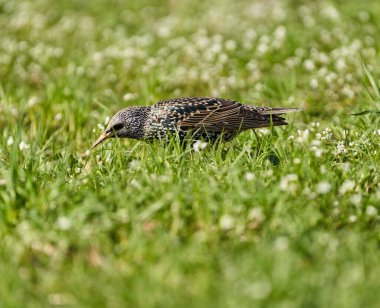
(200, 118)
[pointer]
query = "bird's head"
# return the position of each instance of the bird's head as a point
(126, 123)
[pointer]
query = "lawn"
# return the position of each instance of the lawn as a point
(279, 217)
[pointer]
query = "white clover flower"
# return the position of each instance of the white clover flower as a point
(371, 211)
(323, 187)
(326, 134)
(64, 223)
(327, 130)
(204, 145)
(199, 146)
(289, 182)
(356, 199)
(33, 101)
(107, 120)
(336, 211)
(280, 33)
(256, 214)
(303, 136)
(58, 117)
(331, 13)
(352, 218)
(340, 65)
(135, 183)
(101, 126)
(297, 161)
(134, 164)
(330, 78)
(317, 152)
(216, 48)
(347, 91)
(347, 186)
(164, 31)
(23, 146)
(249, 176)
(129, 96)
(291, 62)
(291, 137)
(10, 141)
(322, 72)
(341, 148)
(376, 132)
(226, 222)
(349, 77)
(314, 83)
(323, 58)
(269, 173)
(309, 65)
(230, 45)
(262, 48)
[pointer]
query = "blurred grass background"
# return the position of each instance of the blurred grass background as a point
(283, 218)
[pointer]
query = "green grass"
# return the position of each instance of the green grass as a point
(277, 218)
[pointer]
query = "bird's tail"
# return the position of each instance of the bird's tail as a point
(266, 117)
(278, 111)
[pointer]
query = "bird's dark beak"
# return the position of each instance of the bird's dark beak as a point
(104, 136)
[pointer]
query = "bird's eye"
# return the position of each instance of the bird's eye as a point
(117, 127)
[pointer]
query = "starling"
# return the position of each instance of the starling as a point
(203, 118)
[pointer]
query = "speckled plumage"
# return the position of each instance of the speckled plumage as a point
(204, 118)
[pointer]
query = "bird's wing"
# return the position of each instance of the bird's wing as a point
(215, 114)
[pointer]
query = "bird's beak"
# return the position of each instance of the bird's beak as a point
(104, 136)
